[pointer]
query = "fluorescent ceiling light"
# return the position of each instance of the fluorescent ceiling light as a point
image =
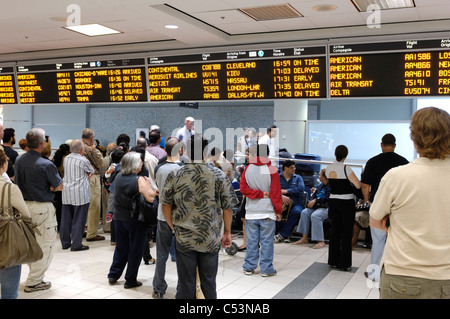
(384, 4)
(92, 29)
(171, 26)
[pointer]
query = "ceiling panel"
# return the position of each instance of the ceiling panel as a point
(30, 27)
(218, 18)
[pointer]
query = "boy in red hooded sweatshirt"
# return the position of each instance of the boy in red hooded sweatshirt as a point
(260, 183)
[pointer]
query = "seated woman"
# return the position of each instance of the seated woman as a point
(315, 213)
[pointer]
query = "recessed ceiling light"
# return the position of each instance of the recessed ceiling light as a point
(324, 8)
(171, 26)
(92, 29)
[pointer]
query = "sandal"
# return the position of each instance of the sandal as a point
(300, 242)
(319, 245)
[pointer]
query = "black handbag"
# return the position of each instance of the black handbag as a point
(148, 212)
(320, 205)
(144, 211)
(323, 204)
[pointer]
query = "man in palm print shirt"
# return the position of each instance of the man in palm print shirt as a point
(196, 202)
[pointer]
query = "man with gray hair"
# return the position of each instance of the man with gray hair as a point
(96, 159)
(76, 196)
(37, 179)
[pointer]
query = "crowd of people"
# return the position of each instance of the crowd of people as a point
(195, 188)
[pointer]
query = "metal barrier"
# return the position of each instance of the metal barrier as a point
(307, 161)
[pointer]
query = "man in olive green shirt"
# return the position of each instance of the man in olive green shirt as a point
(196, 202)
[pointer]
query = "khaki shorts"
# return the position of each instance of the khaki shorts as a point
(404, 287)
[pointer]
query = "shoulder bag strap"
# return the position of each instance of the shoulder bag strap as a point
(10, 208)
(2, 210)
(137, 184)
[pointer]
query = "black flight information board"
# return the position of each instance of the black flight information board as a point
(393, 69)
(8, 93)
(407, 68)
(83, 82)
(240, 75)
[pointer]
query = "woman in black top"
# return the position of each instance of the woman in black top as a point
(341, 210)
(130, 233)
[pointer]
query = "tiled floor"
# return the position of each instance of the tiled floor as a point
(302, 272)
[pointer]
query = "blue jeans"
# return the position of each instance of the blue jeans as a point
(259, 231)
(315, 217)
(164, 244)
(285, 229)
(187, 263)
(10, 280)
(378, 243)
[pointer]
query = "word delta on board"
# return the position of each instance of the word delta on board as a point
(390, 75)
(392, 69)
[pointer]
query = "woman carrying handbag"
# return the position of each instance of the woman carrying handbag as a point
(10, 274)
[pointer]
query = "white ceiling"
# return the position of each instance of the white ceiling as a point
(31, 29)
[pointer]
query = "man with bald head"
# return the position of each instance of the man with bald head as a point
(76, 196)
(187, 131)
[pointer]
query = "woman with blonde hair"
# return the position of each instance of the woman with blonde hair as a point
(415, 199)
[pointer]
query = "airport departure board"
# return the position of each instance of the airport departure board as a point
(240, 75)
(330, 71)
(393, 69)
(83, 82)
(7, 86)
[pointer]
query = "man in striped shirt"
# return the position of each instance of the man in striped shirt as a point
(76, 196)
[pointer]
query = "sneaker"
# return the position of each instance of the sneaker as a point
(278, 238)
(269, 275)
(248, 272)
(157, 295)
(40, 286)
(287, 240)
(108, 217)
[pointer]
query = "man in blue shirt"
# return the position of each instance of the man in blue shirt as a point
(38, 179)
(292, 188)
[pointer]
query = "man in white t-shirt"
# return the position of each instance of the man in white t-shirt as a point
(187, 131)
(270, 140)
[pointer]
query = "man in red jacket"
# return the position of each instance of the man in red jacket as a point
(260, 183)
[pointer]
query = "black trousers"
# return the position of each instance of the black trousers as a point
(342, 214)
(130, 241)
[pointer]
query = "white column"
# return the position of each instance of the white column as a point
(290, 117)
